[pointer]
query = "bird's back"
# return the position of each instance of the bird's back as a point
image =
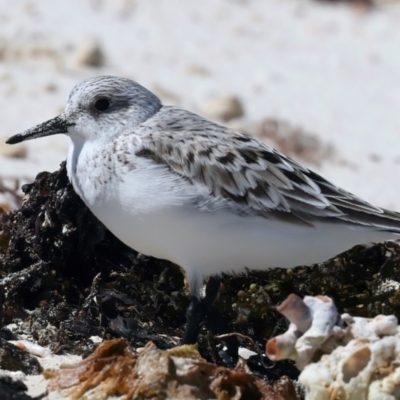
(251, 176)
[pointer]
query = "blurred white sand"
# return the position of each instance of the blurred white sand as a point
(331, 69)
(37, 384)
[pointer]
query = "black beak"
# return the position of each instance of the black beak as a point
(51, 127)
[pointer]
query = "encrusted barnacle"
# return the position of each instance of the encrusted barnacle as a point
(340, 356)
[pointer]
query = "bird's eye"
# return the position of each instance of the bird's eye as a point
(102, 104)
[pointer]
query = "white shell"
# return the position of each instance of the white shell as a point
(358, 358)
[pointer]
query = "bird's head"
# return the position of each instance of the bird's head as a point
(98, 109)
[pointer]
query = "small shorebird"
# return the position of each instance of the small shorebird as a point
(176, 186)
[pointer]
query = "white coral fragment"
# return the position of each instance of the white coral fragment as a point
(341, 357)
(312, 321)
(31, 348)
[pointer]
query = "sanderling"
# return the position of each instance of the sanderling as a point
(176, 186)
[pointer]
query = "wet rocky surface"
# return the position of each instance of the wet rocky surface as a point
(65, 278)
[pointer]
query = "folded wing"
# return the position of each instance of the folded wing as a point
(256, 177)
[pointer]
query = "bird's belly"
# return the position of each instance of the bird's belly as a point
(205, 243)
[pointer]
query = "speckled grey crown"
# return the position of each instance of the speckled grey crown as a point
(129, 99)
(119, 88)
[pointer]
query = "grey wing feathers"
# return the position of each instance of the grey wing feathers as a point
(257, 178)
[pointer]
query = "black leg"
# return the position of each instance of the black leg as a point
(218, 323)
(193, 321)
(198, 310)
(212, 290)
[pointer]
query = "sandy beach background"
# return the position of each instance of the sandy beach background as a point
(332, 70)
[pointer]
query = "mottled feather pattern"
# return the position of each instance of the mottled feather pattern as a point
(248, 172)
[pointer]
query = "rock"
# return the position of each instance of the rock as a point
(14, 390)
(115, 369)
(14, 359)
(6, 334)
(294, 141)
(89, 54)
(19, 150)
(196, 69)
(50, 87)
(223, 108)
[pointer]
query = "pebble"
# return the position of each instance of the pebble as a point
(96, 339)
(223, 108)
(246, 353)
(50, 87)
(89, 54)
(196, 69)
